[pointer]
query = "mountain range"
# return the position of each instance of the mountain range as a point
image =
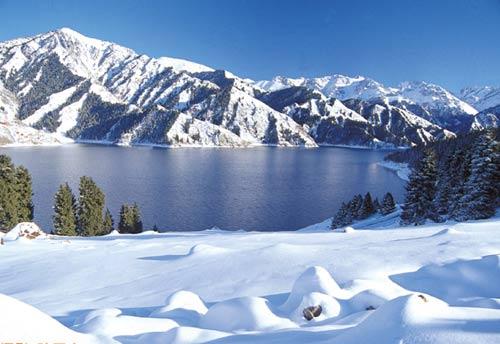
(62, 87)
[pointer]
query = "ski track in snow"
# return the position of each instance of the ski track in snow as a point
(376, 283)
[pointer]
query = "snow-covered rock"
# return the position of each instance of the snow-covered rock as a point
(481, 98)
(25, 230)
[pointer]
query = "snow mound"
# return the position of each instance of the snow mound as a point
(24, 323)
(395, 320)
(456, 282)
(183, 306)
(110, 322)
(347, 229)
(315, 279)
(243, 314)
(25, 230)
(182, 335)
(205, 249)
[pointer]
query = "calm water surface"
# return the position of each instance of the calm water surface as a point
(194, 189)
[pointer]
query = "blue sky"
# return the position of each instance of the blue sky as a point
(450, 42)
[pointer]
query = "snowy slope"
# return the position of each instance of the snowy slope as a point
(432, 284)
(481, 98)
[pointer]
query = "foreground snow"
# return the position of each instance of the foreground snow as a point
(375, 283)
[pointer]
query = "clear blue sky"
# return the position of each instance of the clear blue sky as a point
(450, 42)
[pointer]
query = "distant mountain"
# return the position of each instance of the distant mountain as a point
(62, 85)
(481, 98)
(436, 104)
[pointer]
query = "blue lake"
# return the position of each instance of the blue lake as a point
(194, 189)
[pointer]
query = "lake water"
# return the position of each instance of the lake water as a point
(194, 189)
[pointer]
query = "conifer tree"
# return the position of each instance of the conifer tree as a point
(481, 189)
(108, 223)
(8, 194)
(24, 195)
(90, 208)
(126, 223)
(65, 208)
(137, 221)
(367, 207)
(341, 217)
(420, 192)
(376, 204)
(388, 205)
(355, 206)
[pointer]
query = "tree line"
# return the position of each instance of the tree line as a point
(83, 216)
(459, 182)
(86, 216)
(360, 208)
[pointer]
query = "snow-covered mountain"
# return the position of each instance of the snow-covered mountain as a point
(89, 89)
(374, 122)
(436, 104)
(481, 98)
(61, 85)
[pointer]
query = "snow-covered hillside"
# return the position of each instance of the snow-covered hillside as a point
(481, 98)
(429, 101)
(376, 283)
(88, 89)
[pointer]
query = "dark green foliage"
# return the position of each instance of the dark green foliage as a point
(420, 192)
(376, 204)
(24, 191)
(15, 194)
(342, 217)
(481, 190)
(90, 208)
(355, 206)
(8, 195)
(367, 208)
(130, 219)
(108, 223)
(388, 205)
(65, 208)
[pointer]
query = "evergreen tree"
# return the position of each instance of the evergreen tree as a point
(126, 223)
(355, 207)
(388, 205)
(341, 217)
(65, 212)
(367, 207)
(481, 189)
(108, 223)
(24, 195)
(8, 194)
(376, 204)
(90, 208)
(420, 192)
(137, 221)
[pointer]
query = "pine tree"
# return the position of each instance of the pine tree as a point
(376, 204)
(420, 192)
(8, 194)
(126, 223)
(108, 223)
(65, 212)
(481, 189)
(341, 217)
(355, 207)
(90, 208)
(24, 195)
(367, 208)
(388, 205)
(137, 221)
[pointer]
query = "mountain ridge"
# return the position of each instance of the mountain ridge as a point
(68, 85)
